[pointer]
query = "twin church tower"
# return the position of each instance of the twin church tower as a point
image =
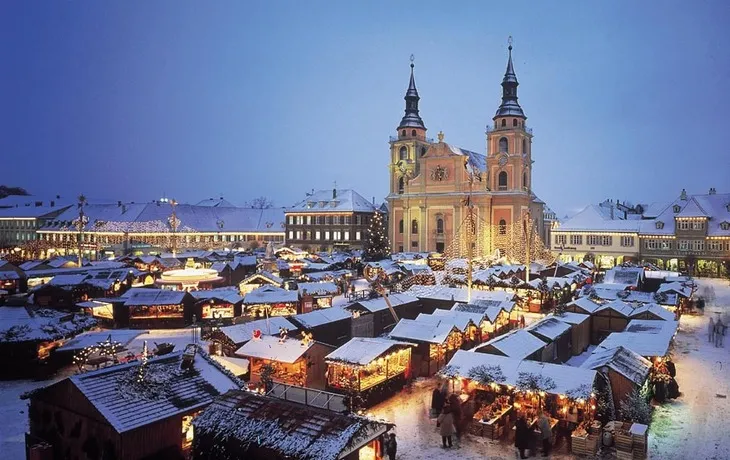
(429, 180)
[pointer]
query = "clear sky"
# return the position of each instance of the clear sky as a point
(130, 99)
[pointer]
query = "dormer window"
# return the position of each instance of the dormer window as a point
(310, 204)
(676, 208)
(334, 203)
(659, 225)
(727, 206)
(322, 204)
(725, 225)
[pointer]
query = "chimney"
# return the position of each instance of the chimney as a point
(683, 195)
(713, 191)
(373, 201)
(53, 203)
(334, 193)
(119, 203)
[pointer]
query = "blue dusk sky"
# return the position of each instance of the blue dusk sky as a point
(132, 99)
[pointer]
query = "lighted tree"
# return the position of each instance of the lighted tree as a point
(377, 246)
(527, 381)
(485, 375)
(267, 377)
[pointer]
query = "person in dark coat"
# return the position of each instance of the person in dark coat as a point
(456, 411)
(391, 446)
(522, 436)
(437, 402)
(671, 368)
(673, 389)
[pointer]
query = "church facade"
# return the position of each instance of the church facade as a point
(431, 182)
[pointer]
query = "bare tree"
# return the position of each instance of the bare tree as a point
(260, 203)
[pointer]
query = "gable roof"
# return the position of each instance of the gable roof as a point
(441, 292)
(346, 200)
(321, 316)
(146, 296)
(378, 303)
(619, 306)
(270, 294)
(587, 304)
(243, 332)
(422, 331)
(550, 327)
(364, 350)
(272, 348)
(518, 344)
(622, 360)
(692, 209)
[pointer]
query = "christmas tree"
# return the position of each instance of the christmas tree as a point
(377, 246)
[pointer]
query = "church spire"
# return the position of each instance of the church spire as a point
(412, 119)
(509, 106)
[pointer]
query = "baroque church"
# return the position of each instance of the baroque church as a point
(430, 180)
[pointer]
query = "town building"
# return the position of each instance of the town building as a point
(691, 233)
(430, 181)
(329, 219)
(19, 225)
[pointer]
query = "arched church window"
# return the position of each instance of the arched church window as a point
(524, 145)
(403, 133)
(414, 226)
(502, 180)
(413, 133)
(504, 122)
(423, 151)
(440, 225)
(401, 185)
(502, 227)
(503, 145)
(403, 153)
(514, 122)
(524, 180)
(400, 226)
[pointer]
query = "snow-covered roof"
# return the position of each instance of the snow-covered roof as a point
(476, 160)
(457, 319)
(441, 292)
(112, 391)
(265, 276)
(489, 308)
(572, 317)
(88, 339)
(327, 201)
(321, 316)
(378, 303)
(622, 360)
(461, 318)
(30, 212)
(326, 288)
(592, 218)
(624, 276)
(21, 324)
(243, 332)
(549, 327)
(147, 296)
(423, 331)
(587, 304)
(552, 282)
(517, 344)
(227, 294)
(644, 337)
(238, 366)
(676, 288)
(603, 292)
(274, 349)
(566, 378)
(363, 350)
(270, 294)
(290, 429)
(657, 310)
(619, 306)
(67, 280)
(215, 202)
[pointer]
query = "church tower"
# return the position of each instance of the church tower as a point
(509, 141)
(409, 143)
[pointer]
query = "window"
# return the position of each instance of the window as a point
(725, 225)
(698, 225)
(299, 234)
(561, 239)
(593, 240)
(627, 241)
(403, 155)
(676, 208)
(300, 220)
(423, 151)
(503, 145)
(403, 133)
(650, 244)
(607, 241)
(413, 133)
(414, 226)
(576, 240)
(683, 245)
(329, 220)
(414, 244)
(439, 226)
(400, 248)
(326, 235)
(308, 235)
(347, 236)
(400, 226)
(524, 180)
(357, 236)
(524, 145)
(698, 245)
(665, 245)
(514, 122)
(401, 185)
(309, 220)
(502, 181)
(714, 245)
(502, 227)
(317, 235)
(291, 220)
(504, 122)
(660, 225)
(348, 220)
(337, 235)
(683, 225)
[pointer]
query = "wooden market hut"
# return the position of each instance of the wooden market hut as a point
(580, 330)
(436, 343)
(257, 280)
(611, 317)
(495, 316)
(444, 297)
(88, 416)
(12, 279)
(332, 326)
(155, 309)
(218, 303)
(64, 291)
(257, 427)
(648, 338)
(236, 270)
(625, 370)
(296, 362)
(652, 311)
(373, 367)
(315, 296)
(227, 339)
(584, 305)
(268, 301)
(465, 323)
(372, 317)
(557, 337)
(517, 344)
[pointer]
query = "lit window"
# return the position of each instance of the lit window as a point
(502, 181)
(502, 227)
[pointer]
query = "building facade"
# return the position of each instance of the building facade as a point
(328, 220)
(430, 181)
(691, 233)
(19, 225)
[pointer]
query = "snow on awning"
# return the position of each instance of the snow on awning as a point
(238, 366)
(364, 350)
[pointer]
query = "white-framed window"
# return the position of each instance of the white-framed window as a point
(300, 220)
(327, 235)
(561, 239)
(576, 240)
(665, 245)
(698, 245)
(627, 241)
(347, 235)
(698, 225)
(317, 235)
(309, 220)
(357, 236)
(299, 234)
(337, 235)
(291, 220)
(308, 235)
(348, 220)
(683, 245)
(593, 240)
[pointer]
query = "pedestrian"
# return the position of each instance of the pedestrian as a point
(437, 402)
(455, 404)
(445, 423)
(546, 433)
(522, 436)
(671, 368)
(711, 330)
(391, 446)
(719, 333)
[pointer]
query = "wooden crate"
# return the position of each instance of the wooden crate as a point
(584, 445)
(476, 429)
(621, 455)
(623, 442)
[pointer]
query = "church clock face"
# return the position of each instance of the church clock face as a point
(439, 173)
(503, 160)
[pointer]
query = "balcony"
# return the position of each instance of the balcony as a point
(491, 129)
(405, 138)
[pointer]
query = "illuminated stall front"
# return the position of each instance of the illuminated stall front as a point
(218, 303)
(159, 308)
(318, 294)
(271, 301)
(373, 367)
(435, 343)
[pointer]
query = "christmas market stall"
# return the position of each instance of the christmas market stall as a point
(372, 317)
(584, 305)
(227, 339)
(580, 330)
(12, 279)
(156, 308)
(370, 369)
(444, 297)
(557, 336)
(269, 301)
(101, 309)
(625, 370)
(653, 311)
(245, 425)
(236, 270)
(648, 338)
(625, 277)
(142, 409)
(435, 343)
(332, 326)
(517, 344)
(465, 323)
(64, 291)
(502, 388)
(286, 360)
(315, 296)
(495, 316)
(610, 317)
(258, 280)
(609, 292)
(218, 303)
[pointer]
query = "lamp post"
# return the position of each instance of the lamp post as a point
(80, 224)
(174, 223)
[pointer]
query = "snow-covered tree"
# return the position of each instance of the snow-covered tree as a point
(636, 409)
(377, 246)
(605, 410)
(267, 377)
(260, 203)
